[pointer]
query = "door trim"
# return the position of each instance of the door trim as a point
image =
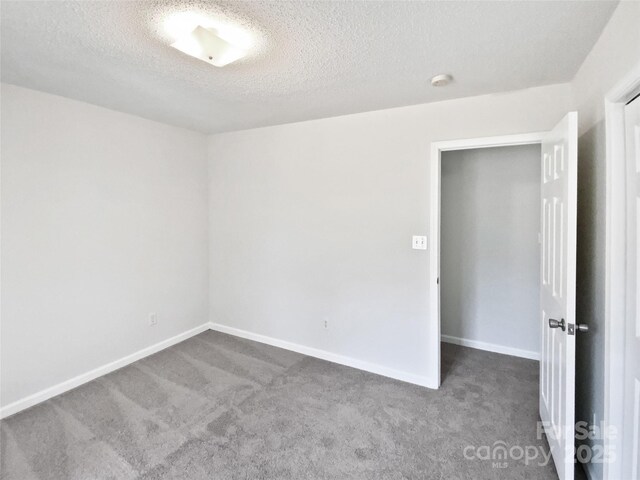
(615, 262)
(434, 224)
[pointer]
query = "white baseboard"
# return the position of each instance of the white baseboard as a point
(491, 347)
(331, 357)
(74, 382)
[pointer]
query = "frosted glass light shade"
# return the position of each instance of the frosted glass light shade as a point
(206, 45)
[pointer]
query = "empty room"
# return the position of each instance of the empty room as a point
(319, 240)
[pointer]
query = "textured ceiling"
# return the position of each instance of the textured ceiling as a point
(311, 59)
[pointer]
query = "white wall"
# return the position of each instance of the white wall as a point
(615, 54)
(313, 221)
(490, 256)
(104, 219)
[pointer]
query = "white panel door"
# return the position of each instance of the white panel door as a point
(631, 426)
(558, 289)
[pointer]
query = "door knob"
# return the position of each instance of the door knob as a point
(557, 324)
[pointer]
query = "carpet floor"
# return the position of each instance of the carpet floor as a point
(219, 407)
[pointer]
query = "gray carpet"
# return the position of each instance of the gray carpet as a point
(219, 407)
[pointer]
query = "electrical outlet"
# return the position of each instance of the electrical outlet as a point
(153, 319)
(326, 323)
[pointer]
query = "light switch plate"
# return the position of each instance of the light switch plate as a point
(419, 242)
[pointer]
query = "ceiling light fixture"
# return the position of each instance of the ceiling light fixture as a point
(207, 45)
(441, 80)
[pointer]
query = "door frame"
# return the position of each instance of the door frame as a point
(434, 223)
(615, 262)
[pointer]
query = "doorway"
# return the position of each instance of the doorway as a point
(558, 207)
(631, 381)
(490, 250)
(622, 327)
(437, 150)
